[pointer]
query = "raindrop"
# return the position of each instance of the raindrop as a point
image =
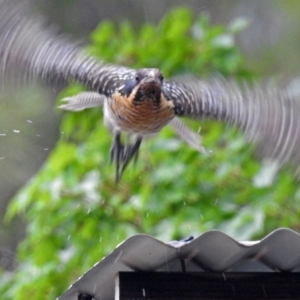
(118, 256)
(224, 276)
(16, 131)
(100, 240)
(2, 134)
(184, 203)
(147, 215)
(88, 211)
(69, 236)
(28, 121)
(46, 149)
(264, 290)
(217, 200)
(1, 158)
(144, 293)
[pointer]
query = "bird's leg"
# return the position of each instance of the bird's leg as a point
(121, 155)
(117, 154)
(130, 151)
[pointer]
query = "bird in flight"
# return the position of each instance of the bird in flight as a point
(139, 107)
(141, 102)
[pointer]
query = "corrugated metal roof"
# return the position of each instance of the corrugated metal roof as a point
(211, 251)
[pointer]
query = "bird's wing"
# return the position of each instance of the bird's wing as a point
(82, 101)
(187, 134)
(268, 114)
(28, 43)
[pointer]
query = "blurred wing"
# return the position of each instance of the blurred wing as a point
(187, 134)
(267, 114)
(28, 44)
(82, 101)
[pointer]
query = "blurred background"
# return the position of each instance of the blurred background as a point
(30, 123)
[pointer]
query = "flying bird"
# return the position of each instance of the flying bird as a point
(140, 109)
(141, 102)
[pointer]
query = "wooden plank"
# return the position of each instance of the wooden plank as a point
(206, 285)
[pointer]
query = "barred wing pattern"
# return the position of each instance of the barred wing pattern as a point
(268, 114)
(27, 42)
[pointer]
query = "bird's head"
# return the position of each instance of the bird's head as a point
(145, 84)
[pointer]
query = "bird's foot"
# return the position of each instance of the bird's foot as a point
(117, 154)
(122, 155)
(131, 151)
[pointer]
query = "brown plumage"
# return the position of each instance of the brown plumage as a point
(141, 107)
(141, 102)
(145, 117)
(138, 108)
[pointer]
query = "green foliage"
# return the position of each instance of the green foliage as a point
(185, 46)
(76, 214)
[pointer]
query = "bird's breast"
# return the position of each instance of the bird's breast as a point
(145, 117)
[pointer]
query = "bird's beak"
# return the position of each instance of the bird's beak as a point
(151, 86)
(151, 80)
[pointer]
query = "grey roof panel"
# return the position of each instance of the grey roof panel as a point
(211, 251)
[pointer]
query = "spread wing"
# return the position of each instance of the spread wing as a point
(268, 114)
(28, 43)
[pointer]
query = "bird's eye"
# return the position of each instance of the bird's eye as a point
(128, 86)
(161, 77)
(137, 78)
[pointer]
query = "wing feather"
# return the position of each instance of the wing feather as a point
(82, 101)
(27, 43)
(267, 114)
